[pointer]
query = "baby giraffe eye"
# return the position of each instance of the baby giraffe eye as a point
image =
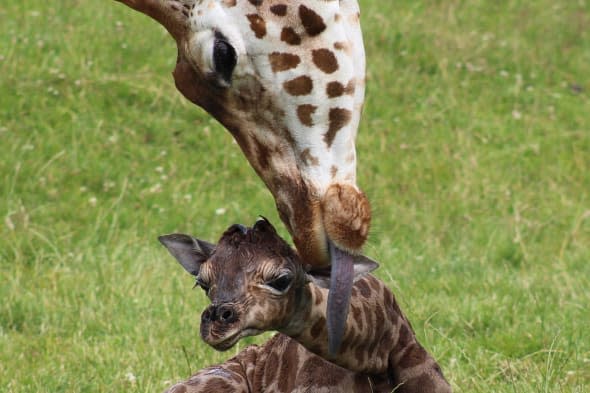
(281, 283)
(224, 57)
(203, 284)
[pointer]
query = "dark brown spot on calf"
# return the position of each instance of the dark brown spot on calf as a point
(299, 86)
(286, 376)
(289, 36)
(405, 336)
(325, 60)
(322, 375)
(339, 118)
(356, 314)
(317, 328)
(271, 369)
(364, 288)
(304, 113)
(257, 25)
(255, 2)
(283, 61)
(279, 9)
(312, 22)
(229, 3)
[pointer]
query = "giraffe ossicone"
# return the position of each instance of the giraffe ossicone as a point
(257, 283)
(287, 79)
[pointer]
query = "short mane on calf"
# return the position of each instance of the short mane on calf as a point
(256, 282)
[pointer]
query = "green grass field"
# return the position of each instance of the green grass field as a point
(474, 149)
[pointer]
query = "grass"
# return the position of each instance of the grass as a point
(474, 149)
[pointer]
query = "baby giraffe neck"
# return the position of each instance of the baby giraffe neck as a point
(378, 339)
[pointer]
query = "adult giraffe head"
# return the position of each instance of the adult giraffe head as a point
(286, 78)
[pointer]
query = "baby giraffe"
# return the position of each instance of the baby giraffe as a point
(256, 283)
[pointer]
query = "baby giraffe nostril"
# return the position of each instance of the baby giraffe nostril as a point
(226, 314)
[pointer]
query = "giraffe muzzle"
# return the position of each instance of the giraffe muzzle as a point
(222, 314)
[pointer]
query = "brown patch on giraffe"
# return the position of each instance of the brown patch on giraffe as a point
(308, 159)
(339, 118)
(318, 328)
(325, 60)
(290, 356)
(289, 36)
(334, 89)
(271, 369)
(356, 314)
(364, 289)
(279, 9)
(337, 89)
(322, 376)
(405, 336)
(304, 113)
(283, 61)
(229, 3)
(374, 285)
(334, 172)
(343, 46)
(312, 22)
(360, 354)
(257, 25)
(262, 153)
(379, 317)
(300, 86)
(259, 316)
(337, 18)
(256, 2)
(413, 356)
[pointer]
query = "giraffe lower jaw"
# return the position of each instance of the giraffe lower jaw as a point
(226, 343)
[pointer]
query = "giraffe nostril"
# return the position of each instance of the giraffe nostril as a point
(227, 314)
(208, 314)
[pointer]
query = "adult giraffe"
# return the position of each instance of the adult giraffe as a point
(286, 78)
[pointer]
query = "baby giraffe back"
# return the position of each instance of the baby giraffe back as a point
(281, 365)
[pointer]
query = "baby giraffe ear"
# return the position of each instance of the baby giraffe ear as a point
(362, 266)
(187, 250)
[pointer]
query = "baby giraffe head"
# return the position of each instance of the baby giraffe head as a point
(254, 279)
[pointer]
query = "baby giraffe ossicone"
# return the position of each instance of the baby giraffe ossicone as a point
(256, 282)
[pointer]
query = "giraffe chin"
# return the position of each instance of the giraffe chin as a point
(227, 342)
(346, 217)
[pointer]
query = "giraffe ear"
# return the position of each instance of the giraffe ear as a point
(362, 266)
(187, 250)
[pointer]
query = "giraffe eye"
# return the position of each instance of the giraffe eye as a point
(224, 57)
(281, 283)
(201, 283)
